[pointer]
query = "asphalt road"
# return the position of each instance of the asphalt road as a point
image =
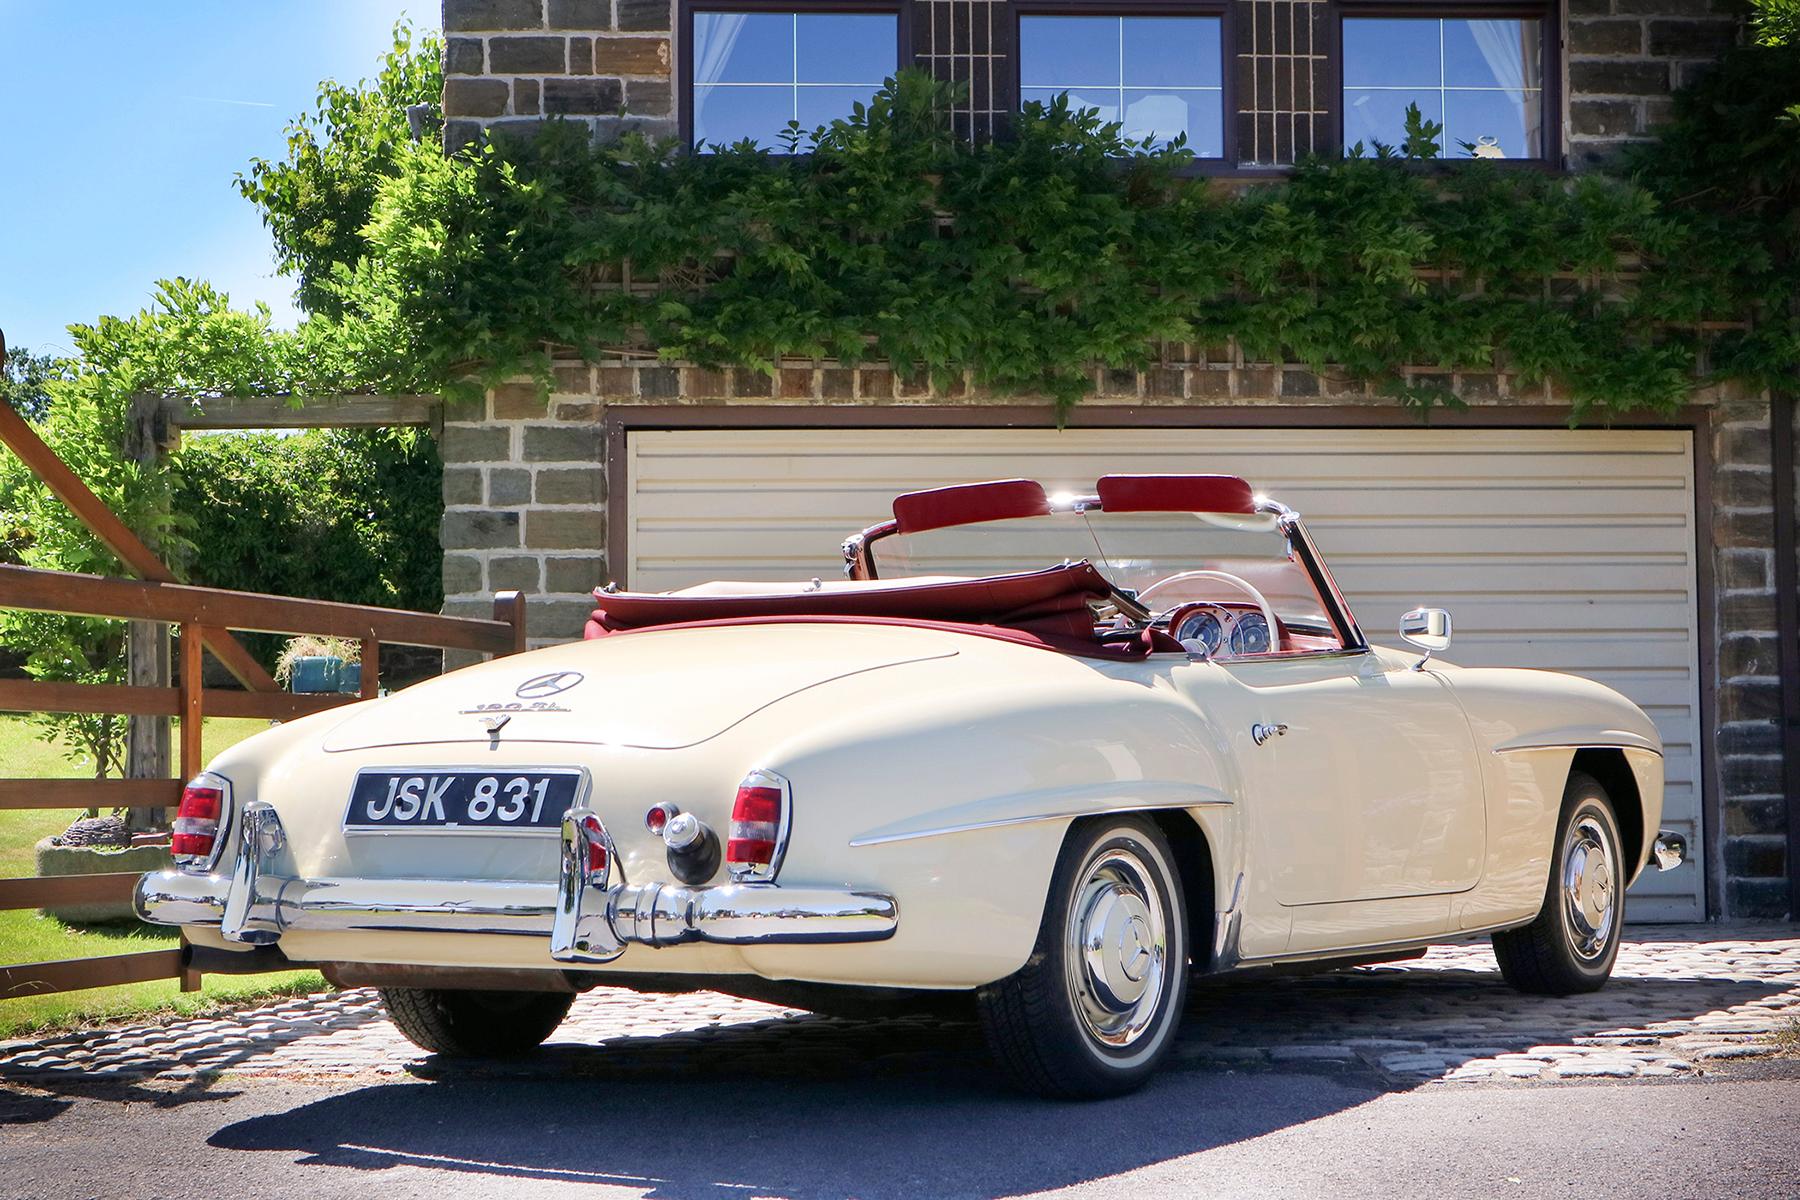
(912, 1134)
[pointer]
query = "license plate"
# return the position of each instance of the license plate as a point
(461, 801)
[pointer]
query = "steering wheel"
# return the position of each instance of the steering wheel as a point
(1244, 585)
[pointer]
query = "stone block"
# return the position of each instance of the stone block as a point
(1749, 700)
(462, 573)
(574, 573)
(1748, 527)
(1747, 569)
(1165, 383)
(1299, 383)
(875, 383)
(582, 97)
(797, 383)
(704, 383)
(519, 402)
(1606, 37)
(462, 485)
(473, 443)
(1256, 383)
(648, 98)
(526, 94)
(1748, 654)
(1756, 857)
(1692, 39)
(615, 381)
(581, 56)
(837, 383)
(528, 55)
(1119, 382)
(1767, 817)
(1589, 8)
(487, 15)
(480, 529)
(1751, 775)
(576, 485)
(643, 14)
(474, 97)
(562, 443)
(1210, 383)
(632, 56)
(559, 620)
(460, 134)
(1746, 445)
(509, 486)
(1618, 78)
(1749, 737)
(462, 56)
(1756, 899)
(54, 861)
(1604, 118)
(663, 383)
(515, 572)
(748, 382)
(565, 529)
(1743, 487)
(580, 14)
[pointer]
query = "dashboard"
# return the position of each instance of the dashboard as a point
(1221, 629)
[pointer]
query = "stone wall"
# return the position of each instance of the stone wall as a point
(610, 64)
(1625, 57)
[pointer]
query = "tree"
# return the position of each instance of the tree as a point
(316, 201)
(25, 380)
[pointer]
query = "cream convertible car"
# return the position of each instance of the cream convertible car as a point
(1051, 754)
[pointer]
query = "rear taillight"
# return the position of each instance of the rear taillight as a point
(596, 843)
(197, 821)
(759, 827)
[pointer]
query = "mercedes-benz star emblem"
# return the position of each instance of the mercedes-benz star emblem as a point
(548, 685)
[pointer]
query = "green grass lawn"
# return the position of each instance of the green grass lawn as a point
(27, 936)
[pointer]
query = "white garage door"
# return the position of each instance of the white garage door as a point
(1571, 550)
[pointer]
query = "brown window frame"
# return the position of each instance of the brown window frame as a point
(899, 9)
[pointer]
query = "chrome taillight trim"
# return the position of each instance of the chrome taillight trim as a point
(191, 865)
(764, 872)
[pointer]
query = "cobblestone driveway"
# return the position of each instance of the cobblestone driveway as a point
(1682, 998)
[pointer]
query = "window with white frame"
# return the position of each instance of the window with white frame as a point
(1158, 76)
(754, 72)
(1482, 79)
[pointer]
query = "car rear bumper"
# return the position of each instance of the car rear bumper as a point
(586, 916)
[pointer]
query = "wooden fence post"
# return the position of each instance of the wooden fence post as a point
(510, 607)
(191, 693)
(146, 642)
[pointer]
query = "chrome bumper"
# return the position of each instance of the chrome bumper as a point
(587, 918)
(1669, 851)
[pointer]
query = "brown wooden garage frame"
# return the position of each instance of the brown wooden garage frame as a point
(621, 420)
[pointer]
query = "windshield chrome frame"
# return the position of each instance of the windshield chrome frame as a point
(859, 561)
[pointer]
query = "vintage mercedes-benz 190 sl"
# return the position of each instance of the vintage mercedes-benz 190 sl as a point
(1048, 754)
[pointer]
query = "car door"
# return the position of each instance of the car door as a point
(1362, 790)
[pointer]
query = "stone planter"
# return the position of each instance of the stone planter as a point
(96, 860)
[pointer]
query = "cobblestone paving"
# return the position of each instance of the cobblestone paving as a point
(1681, 1000)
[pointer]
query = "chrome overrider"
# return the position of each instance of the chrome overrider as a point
(587, 917)
(1669, 850)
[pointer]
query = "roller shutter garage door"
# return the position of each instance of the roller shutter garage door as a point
(1566, 549)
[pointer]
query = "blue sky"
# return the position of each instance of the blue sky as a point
(124, 123)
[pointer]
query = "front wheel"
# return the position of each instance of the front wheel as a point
(475, 1024)
(1094, 1010)
(1572, 944)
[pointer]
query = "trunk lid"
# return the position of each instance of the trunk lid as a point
(659, 689)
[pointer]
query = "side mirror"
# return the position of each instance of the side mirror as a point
(1428, 629)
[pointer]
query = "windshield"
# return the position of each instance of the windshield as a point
(1231, 567)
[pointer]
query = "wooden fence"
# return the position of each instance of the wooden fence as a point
(196, 612)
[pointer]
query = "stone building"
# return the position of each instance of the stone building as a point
(1644, 554)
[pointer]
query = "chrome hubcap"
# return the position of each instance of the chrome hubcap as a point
(1590, 891)
(1118, 951)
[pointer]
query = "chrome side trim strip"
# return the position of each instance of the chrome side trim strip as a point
(1061, 808)
(1585, 744)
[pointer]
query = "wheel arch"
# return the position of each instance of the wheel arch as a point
(1609, 768)
(1193, 859)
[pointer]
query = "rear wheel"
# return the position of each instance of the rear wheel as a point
(1094, 1010)
(474, 1024)
(1573, 943)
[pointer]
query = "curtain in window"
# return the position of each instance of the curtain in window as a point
(1510, 49)
(718, 34)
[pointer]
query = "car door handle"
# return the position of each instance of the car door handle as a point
(1260, 733)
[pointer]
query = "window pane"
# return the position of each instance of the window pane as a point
(1380, 115)
(1104, 99)
(822, 105)
(847, 48)
(743, 48)
(1172, 52)
(1501, 54)
(1390, 52)
(1514, 119)
(1068, 52)
(1163, 114)
(724, 114)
